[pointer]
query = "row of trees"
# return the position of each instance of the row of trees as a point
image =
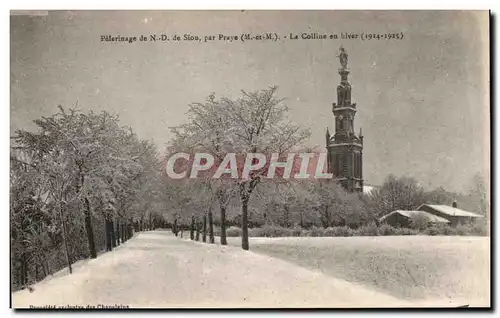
(256, 123)
(80, 183)
(326, 204)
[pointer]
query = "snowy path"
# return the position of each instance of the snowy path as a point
(156, 269)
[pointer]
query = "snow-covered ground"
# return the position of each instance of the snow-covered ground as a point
(430, 270)
(156, 269)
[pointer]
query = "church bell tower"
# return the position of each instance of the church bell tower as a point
(345, 148)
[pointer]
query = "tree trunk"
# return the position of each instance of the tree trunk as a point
(113, 233)
(108, 236)
(211, 227)
(223, 239)
(65, 240)
(287, 215)
(117, 232)
(244, 224)
(42, 265)
(192, 227)
(205, 228)
(89, 229)
(47, 267)
(88, 218)
(24, 271)
(127, 230)
(326, 218)
(174, 227)
(125, 234)
(197, 232)
(122, 232)
(130, 230)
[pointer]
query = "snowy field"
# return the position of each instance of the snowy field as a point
(156, 269)
(424, 269)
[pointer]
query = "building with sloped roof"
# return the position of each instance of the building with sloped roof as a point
(452, 213)
(403, 218)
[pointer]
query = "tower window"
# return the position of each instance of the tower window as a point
(344, 165)
(338, 164)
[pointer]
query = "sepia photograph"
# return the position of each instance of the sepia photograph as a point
(227, 159)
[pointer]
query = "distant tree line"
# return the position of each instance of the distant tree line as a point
(326, 204)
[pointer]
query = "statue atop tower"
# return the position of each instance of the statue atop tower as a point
(343, 58)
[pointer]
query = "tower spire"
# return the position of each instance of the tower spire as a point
(344, 88)
(345, 149)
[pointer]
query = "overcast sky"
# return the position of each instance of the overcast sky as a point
(423, 102)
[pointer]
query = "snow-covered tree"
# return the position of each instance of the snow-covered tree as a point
(336, 206)
(402, 193)
(81, 169)
(253, 123)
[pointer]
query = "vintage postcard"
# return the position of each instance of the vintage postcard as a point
(249, 159)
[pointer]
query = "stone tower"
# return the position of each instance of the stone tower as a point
(345, 149)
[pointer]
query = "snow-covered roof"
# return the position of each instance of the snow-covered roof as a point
(368, 189)
(411, 214)
(451, 211)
